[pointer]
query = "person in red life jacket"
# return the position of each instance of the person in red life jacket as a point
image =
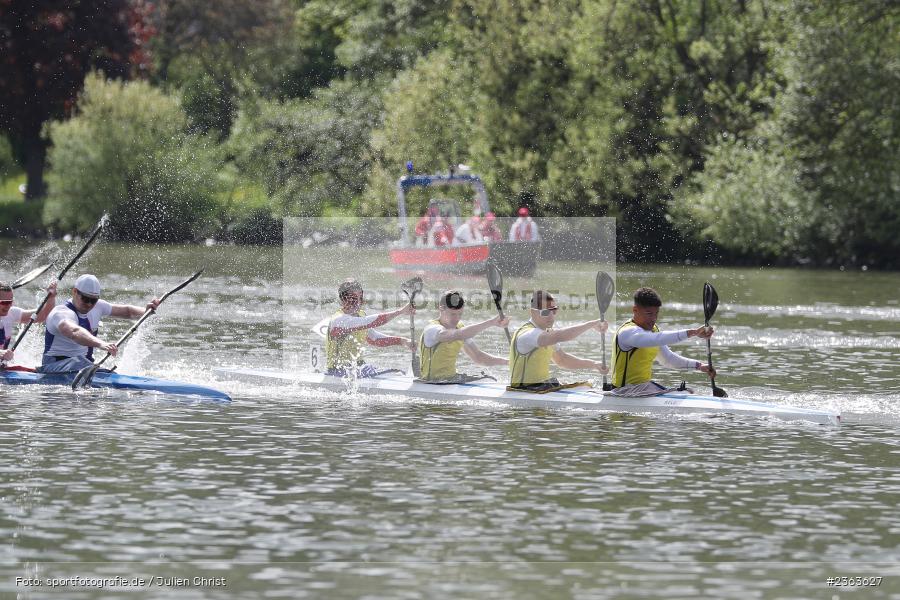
(441, 233)
(12, 316)
(423, 226)
(524, 229)
(489, 230)
(469, 232)
(350, 329)
(71, 334)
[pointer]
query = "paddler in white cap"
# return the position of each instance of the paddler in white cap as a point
(71, 333)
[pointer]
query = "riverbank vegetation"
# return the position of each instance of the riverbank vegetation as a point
(746, 131)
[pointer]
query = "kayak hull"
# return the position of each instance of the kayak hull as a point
(584, 397)
(115, 381)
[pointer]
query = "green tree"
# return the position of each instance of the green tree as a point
(750, 201)
(48, 47)
(840, 113)
(818, 181)
(126, 152)
(213, 53)
(311, 154)
(430, 119)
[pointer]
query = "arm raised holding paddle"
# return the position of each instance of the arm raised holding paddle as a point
(534, 347)
(349, 329)
(639, 343)
(11, 316)
(72, 328)
(104, 221)
(86, 374)
(127, 311)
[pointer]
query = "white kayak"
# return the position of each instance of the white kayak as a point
(584, 397)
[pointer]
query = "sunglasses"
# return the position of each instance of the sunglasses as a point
(546, 312)
(88, 299)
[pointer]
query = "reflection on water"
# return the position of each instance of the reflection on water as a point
(303, 494)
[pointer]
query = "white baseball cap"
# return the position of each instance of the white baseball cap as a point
(88, 285)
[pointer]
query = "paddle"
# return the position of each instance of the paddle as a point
(495, 282)
(605, 290)
(30, 276)
(411, 288)
(104, 220)
(86, 375)
(710, 303)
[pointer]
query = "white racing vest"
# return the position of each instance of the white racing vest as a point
(56, 344)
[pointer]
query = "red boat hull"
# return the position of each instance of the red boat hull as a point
(512, 258)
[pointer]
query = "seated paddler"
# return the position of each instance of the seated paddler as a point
(639, 343)
(536, 344)
(72, 328)
(13, 316)
(443, 339)
(350, 329)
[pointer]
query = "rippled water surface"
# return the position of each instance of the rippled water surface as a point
(291, 493)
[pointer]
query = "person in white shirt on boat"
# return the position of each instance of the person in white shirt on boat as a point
(535, 344)
(13, 316)
(639, 343)
(469, 232)
(350, 329)
(524, 229)
(443, 339)
(71, 332)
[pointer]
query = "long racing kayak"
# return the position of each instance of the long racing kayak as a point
(584, 397)
(116, 381)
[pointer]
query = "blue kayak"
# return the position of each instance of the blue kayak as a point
(117, 381)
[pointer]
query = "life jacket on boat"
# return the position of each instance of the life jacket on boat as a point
(438, 363)
(634, 366)
(524, 230)
(531, 368)
(441, 233)
(83, 322)
(346, 350)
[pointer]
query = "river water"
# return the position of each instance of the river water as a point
(290, 493)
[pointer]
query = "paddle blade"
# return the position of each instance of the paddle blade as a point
(710, 301)
(30, 276)
(719, 392)
(495, 281)
(84, 377)
(412, 286)
(606, 288)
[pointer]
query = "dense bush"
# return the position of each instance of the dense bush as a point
(306, 153)
(126, 152)
(819, 181)
(19, 219)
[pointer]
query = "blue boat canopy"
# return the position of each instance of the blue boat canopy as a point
(408, 182)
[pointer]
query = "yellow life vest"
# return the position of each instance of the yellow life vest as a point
(439, 362)
(634, 366)
(345, 351)
(531, 368)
